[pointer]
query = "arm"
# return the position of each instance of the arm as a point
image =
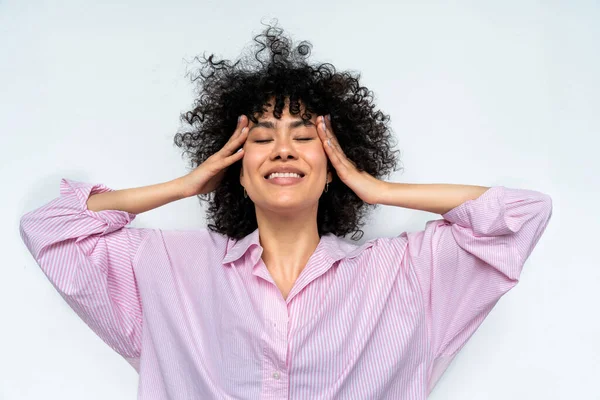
(464, 263)
(138, 200)
(435, 198)
(90, 256)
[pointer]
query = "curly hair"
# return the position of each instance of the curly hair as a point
(279, 71)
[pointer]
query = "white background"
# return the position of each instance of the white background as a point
(504, 94)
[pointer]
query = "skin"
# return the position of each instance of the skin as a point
(286, 215)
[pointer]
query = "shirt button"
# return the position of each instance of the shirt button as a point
(276, 375)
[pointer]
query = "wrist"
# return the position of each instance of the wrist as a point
(180, 188)
(383, 193)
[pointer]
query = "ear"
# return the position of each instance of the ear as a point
(329, 176)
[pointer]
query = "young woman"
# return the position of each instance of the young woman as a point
(269, 301)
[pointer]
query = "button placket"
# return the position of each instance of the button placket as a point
(280, 335)
(275, 339)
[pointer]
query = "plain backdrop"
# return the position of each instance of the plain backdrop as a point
(497, 94)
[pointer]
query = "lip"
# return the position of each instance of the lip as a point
(287, 181)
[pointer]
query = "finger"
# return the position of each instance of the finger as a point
(238, 155)
(326, 126)
(242, 122)
(320, 131)
(236, 141)
(224, 162)
(327, 119)
(332, 150)
(331, 143)
(326, 138)
(324, 133)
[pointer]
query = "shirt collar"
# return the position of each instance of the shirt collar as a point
(330, 246)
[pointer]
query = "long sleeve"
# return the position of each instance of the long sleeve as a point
(469, 259)
(89, 258)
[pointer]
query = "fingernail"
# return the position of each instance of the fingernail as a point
(239, 119)
(328, 117)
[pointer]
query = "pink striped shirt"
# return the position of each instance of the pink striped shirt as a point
(198, 315)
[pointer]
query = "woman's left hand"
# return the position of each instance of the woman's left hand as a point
(366, 186)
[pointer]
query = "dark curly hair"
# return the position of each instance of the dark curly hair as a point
(279, 71)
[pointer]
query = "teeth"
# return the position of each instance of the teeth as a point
(283, 175)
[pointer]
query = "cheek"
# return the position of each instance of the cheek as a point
(251, 158)
(316, 157)
(252, 161)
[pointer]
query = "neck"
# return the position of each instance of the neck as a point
(287, 241)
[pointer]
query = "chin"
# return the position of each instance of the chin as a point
(288, 204)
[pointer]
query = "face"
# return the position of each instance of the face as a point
(279, 144)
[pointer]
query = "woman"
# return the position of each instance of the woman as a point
(270, 301)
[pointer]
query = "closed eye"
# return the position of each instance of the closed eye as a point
(269, 140)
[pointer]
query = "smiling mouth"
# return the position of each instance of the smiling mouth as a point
(284, 179)
(279, 175)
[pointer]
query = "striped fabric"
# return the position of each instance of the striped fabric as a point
(198, 315)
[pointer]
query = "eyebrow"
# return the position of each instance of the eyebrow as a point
(269, 124)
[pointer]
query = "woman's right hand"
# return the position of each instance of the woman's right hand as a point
(206, 177)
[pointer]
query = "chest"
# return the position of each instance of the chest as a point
(283, 281)
(283, 285)
(334, 333)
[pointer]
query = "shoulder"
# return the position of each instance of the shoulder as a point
(182, 240)
(185, 250)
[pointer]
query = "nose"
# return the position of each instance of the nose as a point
(283, 148)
